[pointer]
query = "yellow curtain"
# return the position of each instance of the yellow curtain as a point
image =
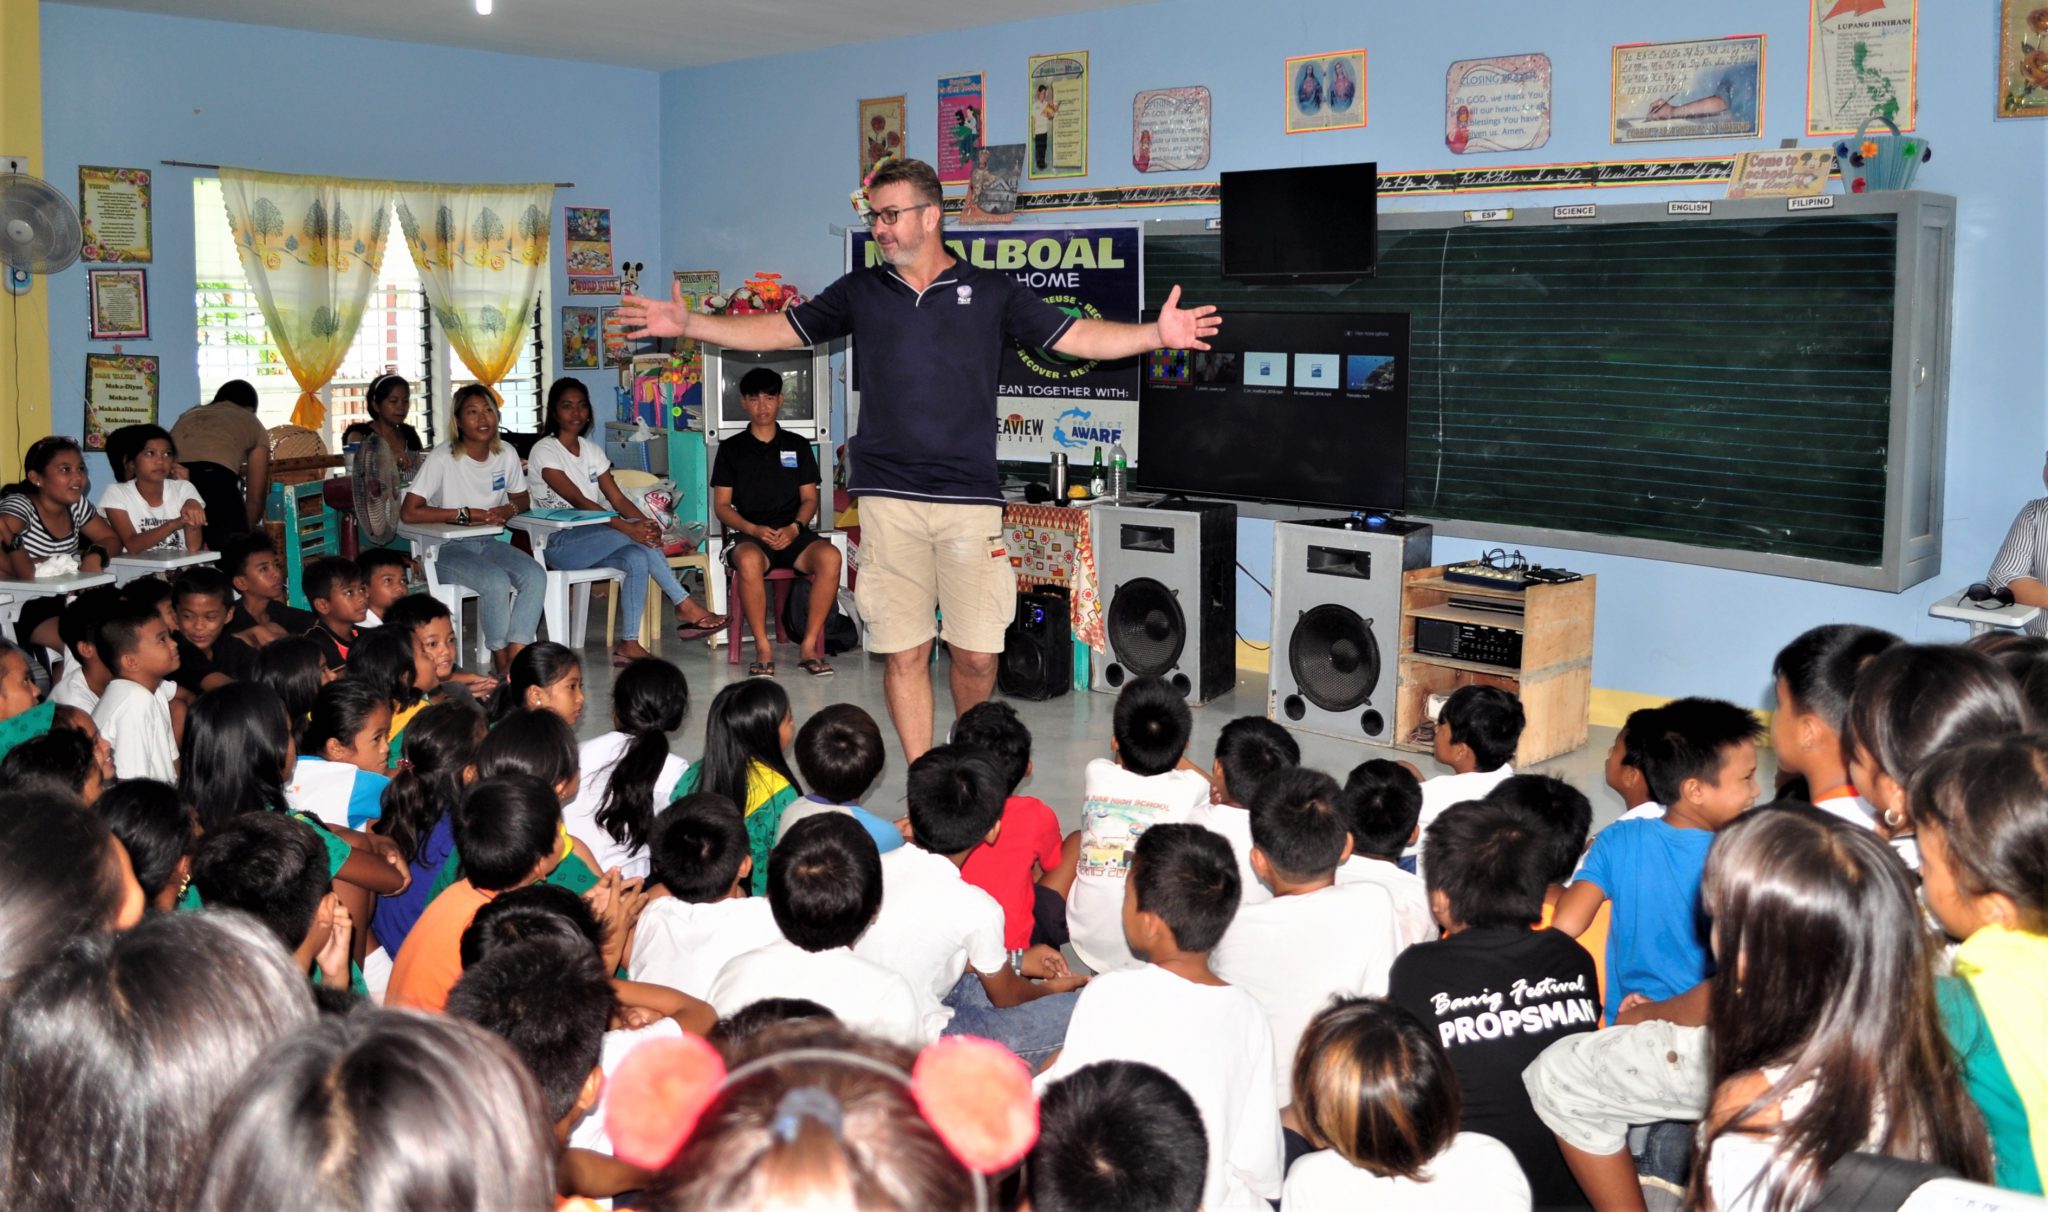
(312, 247)
(481, 251)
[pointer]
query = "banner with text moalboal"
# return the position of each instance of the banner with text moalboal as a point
(1049, 402)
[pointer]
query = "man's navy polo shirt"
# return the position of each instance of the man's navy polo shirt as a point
(928, 368)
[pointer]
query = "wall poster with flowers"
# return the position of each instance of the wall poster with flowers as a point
(881, 130)
(113, 210)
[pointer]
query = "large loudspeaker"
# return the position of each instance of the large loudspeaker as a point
(1337, 623)
(1170, 599)
(1038, 649)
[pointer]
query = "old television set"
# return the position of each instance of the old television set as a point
(1318, 223)
(806, 388)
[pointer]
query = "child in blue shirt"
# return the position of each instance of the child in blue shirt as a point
(839, 753)
(1699, 759)
(341, 772)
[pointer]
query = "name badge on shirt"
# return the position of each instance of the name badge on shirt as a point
(498, 482)
(789, 459)
(593, 477)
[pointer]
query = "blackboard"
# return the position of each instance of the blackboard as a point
(1728, 384)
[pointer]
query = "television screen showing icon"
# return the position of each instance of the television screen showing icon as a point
(1265, 370)
(1315, 372)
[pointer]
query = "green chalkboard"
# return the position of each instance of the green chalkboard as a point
(1717, 383)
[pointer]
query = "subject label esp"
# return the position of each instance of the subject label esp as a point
(1584, 210)
(1689, 208)
(1494, 215)
(1811, 202)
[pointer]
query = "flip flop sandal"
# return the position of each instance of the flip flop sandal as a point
(702, 627)
(817, 667)
(761, 669)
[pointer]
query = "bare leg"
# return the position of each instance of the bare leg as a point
(502, 659)
(752, 565)
(1608, 1179)
(359, 902)
(820, 562)
(46, 635)
(973, 679)
(1070, 859)
(907, 682)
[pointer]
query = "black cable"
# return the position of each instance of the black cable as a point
(1253, 646)
(1255, 580)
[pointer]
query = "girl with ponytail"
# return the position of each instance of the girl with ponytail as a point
(628, 771)
(436, 764)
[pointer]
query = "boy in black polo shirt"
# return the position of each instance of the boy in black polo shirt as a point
(764, 487)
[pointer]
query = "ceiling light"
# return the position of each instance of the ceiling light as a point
(483, 8)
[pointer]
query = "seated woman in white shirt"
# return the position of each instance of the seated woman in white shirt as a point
(570, 470)
(476, 480)
(43, 516)
(150, 509)
(2022, 561)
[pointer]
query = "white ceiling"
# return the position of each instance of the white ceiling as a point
(654, 34)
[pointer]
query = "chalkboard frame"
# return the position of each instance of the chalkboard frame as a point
(1922, 312)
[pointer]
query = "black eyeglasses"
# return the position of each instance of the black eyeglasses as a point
(888, 215)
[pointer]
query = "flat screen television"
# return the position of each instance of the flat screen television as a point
(1313, 224)
(1302, 408)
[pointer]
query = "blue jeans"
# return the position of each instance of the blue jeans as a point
(603, 547)
(1034, 1030)
(509, 585)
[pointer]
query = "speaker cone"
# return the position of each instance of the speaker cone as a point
(1334, 658)
(1146, 628)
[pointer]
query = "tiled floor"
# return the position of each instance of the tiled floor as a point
(1066, 731)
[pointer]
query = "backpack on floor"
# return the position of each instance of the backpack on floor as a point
(841, 634)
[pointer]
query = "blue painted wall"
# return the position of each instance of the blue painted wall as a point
(745, 167)
(131, 89)
(758, 157)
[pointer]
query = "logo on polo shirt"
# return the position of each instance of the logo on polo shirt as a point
(963, 295)
(498, 482)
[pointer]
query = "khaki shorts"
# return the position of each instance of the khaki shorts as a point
(916, 556)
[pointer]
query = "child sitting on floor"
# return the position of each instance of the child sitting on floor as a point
(628, 773)
(1173, 1012)
(839, 753)
(1816, 675)
(1378, 1097)
(341, 773)
(701, 860)
(1146, 785)
(1092, 1153)
(1250, 751)
(945, 936)
(261, 616)
(208, 656)
(1028, 844)
(1476, 735)
(334, 589)
(275, 870)
(138, 648)
(745, 734)
(384, 570)
(1382, 804)
(824, 889)
(1701, 764)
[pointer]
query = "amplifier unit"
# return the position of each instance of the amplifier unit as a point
(1469, 642)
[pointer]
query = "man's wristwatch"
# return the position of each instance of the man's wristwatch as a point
(462, 516)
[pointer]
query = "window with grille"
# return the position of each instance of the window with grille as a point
(398, 336)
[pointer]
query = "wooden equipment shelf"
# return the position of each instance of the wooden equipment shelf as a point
(1554, 680)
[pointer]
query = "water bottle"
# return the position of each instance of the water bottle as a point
(1118, 472)
(1097, 485)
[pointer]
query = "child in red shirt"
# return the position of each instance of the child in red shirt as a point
(1029, 841)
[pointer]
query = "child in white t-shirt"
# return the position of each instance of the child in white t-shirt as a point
(628, 771)
(1148, 784)
(1178, 1016)
(1381, 1099)
(139, 648)
(945, 935)
(824, 888)
(1250, 750)
(149, 510)
(1382, 801)
(1476, 735)
(1316, 939)
(700, 859)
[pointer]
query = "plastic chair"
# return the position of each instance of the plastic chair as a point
(565, 604)
(779, 582)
